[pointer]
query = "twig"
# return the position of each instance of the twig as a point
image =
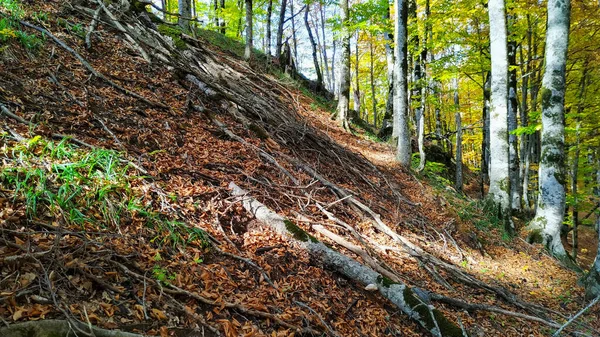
(110, 133)
(581, 312)
(329, 328)
(91, 27)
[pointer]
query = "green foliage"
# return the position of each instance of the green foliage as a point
(175, 34)
(95, 188)
(227, 43)
(10, 31)
(163, 275)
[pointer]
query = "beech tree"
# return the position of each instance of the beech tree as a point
(185, 13)
(403, 151)
(546, 225)
(344, 68)
(499, 153)
(249, 33)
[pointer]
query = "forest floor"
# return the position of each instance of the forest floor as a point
(128, 222)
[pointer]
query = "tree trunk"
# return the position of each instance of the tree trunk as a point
(279, 43)
(185, 12)
(513, 146)
(459, 174)
(313, 44)
(269, 13)
(399, 294)
(357, 78)
(524, 149)
(545, 227)
(485, 140)
(372, 75)
(295, 40)
(249, 33)
(499, 192)
(403, 151)
(344, 66)
(389, 56)
(325, 60)
(575, 214)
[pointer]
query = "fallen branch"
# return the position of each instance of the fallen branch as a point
(398, 293)
(557, 333)
(91, 27)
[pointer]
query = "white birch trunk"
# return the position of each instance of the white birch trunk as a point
(545, 227)
(403, 151)
(499, 152)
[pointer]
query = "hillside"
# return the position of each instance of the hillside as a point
(118, 209)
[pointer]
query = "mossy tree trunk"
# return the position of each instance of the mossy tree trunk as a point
(546, 225)
(499, 192)
(399, 294)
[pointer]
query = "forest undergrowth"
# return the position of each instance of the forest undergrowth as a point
(117, 212)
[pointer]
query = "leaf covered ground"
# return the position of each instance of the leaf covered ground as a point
(117, 211)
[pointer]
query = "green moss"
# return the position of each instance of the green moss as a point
(298, 233)
(385, 281)
(535, 236)
(447, 328)
(259, 131)
(546, 97)
(175, 34)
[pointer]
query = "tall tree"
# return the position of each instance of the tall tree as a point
(313, 44)
(546, 225)
(401, 118)
(185, 13)
(499, 153)
(249, 33)
(324, 48)
(268, 37)
(279, 43)
(513, 155)
(344, 68)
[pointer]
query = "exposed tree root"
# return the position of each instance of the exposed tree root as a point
(62, 328)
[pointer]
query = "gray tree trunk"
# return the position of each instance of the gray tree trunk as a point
(499, 192)
(399, 294)
(372, 75)
(546, 225)
(389, 56)
(185, 12)
(279, 38)
(268, 38)
(249, 33)
(325, 60)
(313, 44)
(401, 118)
(459, 173)
(513, 110)
(344, 68)
(485, 140)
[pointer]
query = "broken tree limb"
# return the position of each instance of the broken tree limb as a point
(398, 293)
(91, 27)
(592, 303)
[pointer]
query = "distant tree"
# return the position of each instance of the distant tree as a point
(344, 68)
(268, 37)
(403, 151)
(546, 225)
(499, 192)
(313, 45)
(279, 37)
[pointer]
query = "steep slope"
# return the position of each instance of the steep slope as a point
(128, 221)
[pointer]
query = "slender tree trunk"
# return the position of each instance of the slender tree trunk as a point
(524, 150)
(313, 44)
(485, 140)
(269, 13)
(546, 225)
(223, 25)
(325, 60)
(389, 56)
(249, 33)
(344, 65)
(499, 191)
(357, 78)
(185, 12)
(401, 118)
(216, 13)
(333, 78)
(372, 75)
(575, 214)
(418, 94)
(459, 173)
(513, 146)
(294, 32)
(279, 43)
(592, 279)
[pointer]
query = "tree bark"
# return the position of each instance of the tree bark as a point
(372, 75)
(249, 32)
(325, 60)
(185, 12)
(499, 192)
(401, 118)
(279, 43)
(399, 294)
(313, 44)
(459, 173)
(357, 106)
(485, 140)
(389, 56)
(545, 227)
(344, 66)
(513, 146)
(269, 13)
